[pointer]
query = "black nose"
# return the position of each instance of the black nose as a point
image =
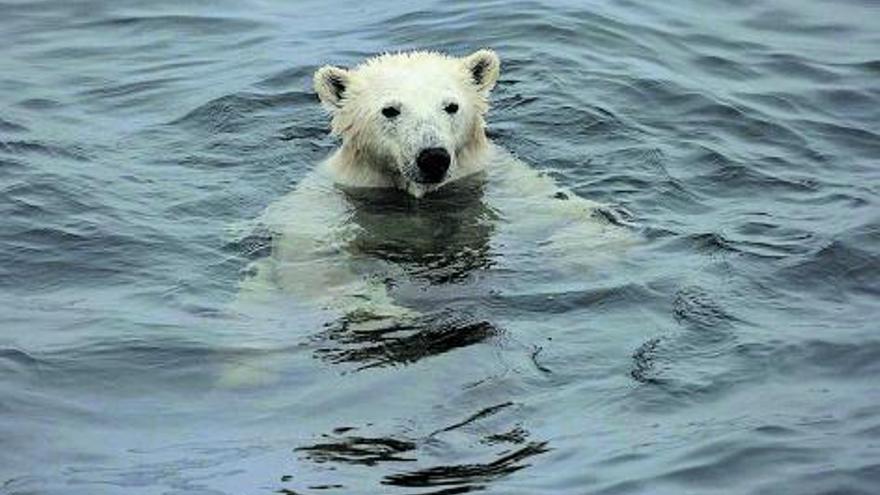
(433, 164)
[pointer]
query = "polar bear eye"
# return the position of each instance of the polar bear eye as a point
(390, 112)
(451, 108)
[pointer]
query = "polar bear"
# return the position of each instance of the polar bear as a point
(417, 195)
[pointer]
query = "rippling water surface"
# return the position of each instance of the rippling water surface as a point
(734, 350)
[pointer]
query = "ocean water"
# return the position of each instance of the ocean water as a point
(733, 350)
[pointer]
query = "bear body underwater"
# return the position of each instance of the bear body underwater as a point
(417, 194)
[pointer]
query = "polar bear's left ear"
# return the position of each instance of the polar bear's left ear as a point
(484, 68)
(331, 84)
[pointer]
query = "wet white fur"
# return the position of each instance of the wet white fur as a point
(380, 152)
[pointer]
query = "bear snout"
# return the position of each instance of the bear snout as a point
(433, 164)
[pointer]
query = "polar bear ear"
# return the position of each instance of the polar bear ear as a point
(484, 68)
(331, 84)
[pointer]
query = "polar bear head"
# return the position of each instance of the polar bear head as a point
(414, 118)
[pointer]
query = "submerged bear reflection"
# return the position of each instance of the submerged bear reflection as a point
(438, 239)
(425, 243)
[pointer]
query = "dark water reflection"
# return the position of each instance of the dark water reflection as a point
(342, 447)
(440, 241)
(388, 342)
(734, 350)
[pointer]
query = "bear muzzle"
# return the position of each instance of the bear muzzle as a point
(433, 164)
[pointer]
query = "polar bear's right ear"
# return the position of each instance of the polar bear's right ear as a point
(331, 84)
(483, 66)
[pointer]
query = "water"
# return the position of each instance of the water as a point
(734, 350)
